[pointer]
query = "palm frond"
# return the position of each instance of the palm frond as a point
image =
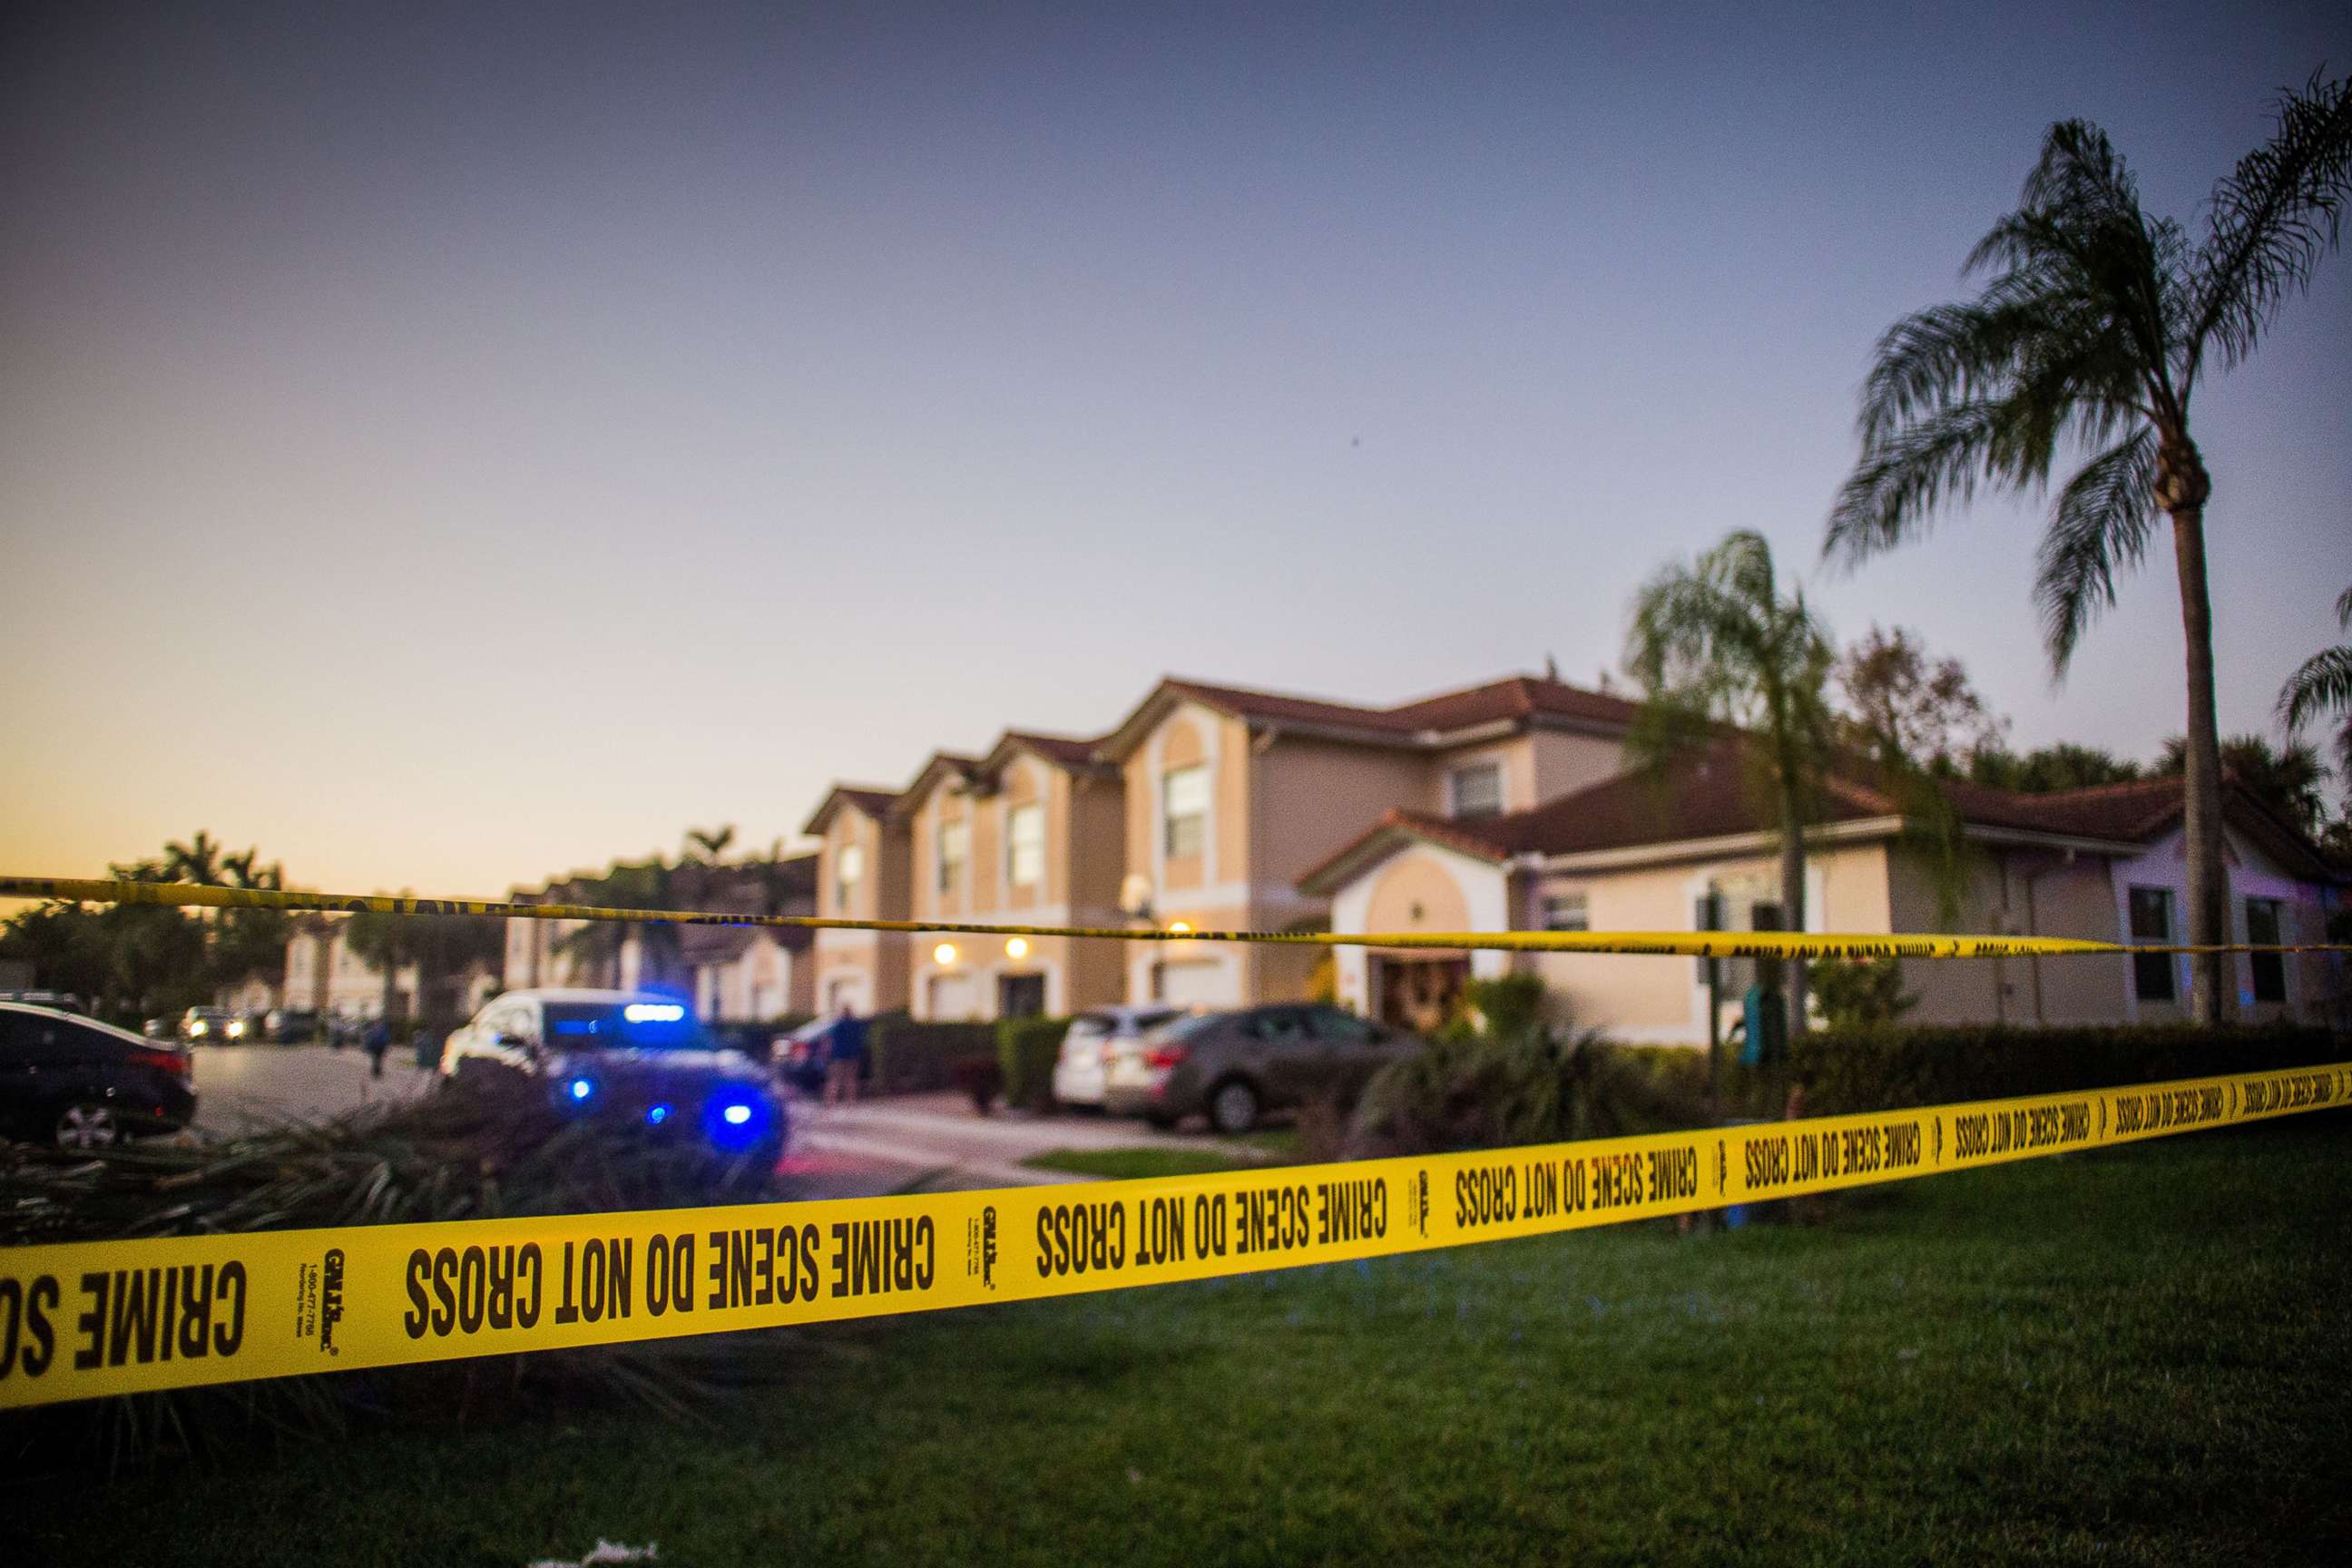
(2273, 218)
(2323, 685)
(1907, 473)
(2102, 520)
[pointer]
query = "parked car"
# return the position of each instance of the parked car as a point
(80, 1084)
(800, 1057)
(289, 1026)
(213, 1027)
(635, 1056)
(63, 1001)
(1095, 1038)
(1236, 1066)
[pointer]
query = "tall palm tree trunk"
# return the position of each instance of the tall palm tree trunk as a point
(1792, 901)
(2208, 876)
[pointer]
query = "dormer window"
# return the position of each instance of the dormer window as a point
(1184, 804)
(955, 848)
(1024, 846)
(1477, 790)
(848, 870)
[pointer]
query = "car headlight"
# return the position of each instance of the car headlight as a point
(236, 1029)
(198, 1028)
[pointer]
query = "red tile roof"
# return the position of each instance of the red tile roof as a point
(1423, 723)
(1517, 697)
(1063, 751)
(1713, 796)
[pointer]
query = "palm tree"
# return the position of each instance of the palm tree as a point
(198, 860)
(1714, 642)
(2324, 684)
(597, 946)
(2094, 328)
(2286, 778)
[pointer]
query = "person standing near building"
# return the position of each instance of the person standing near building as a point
(844, 1058)
(377, 1041)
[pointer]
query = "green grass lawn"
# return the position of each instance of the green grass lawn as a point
(2132, 1357)
(1127, 1165)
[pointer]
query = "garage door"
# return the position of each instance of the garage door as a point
(1197, 984)
(953, 996)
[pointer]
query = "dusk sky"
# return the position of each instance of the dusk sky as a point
(446, 448)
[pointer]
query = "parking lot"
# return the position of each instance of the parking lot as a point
(876, 1146)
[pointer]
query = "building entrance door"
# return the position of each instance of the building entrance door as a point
(1020, 995)
(1418, 994)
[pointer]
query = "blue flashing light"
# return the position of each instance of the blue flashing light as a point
(654, 1013)
(736, 1114)
(658, 1115)
(581, 1088)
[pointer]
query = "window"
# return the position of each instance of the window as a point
(1024, 846)
(848, 870)
(1342, 1028)
(1566, 911)
(955, 843)
(1276, 1024)
(1477, 790)
(2269, 968)
(2151, 921)
(1184, 801)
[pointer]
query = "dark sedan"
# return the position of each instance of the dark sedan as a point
(1236, 1066)
(80, 1084)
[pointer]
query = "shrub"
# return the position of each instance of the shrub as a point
(911, 1058)
(1506, 1007)
(1894, 1064)
(978, 1079)
(1492, 1091)
(486, 1149)
(1027, 1049)
(1853, 993)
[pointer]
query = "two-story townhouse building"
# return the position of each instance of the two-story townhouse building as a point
(1031, 834)
(751, 974)
(863, 873)
(1232, 794)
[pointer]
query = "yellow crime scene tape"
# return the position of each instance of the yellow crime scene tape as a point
(1691, 944)
(83, 1319)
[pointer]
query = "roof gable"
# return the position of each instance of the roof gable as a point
(868, 800)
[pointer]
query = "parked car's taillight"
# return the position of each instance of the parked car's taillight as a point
(177, 1063)
(1166, 1056)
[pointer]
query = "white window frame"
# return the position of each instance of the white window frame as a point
(1580, 898)
(1033, 848)
(848, 871)
(960, 827)
(1170, 816)
(1493, 768)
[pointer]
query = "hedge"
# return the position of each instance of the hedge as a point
(1889, 1066)
(1026, 1049)
(912, 1057)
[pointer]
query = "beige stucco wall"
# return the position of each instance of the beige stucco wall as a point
(1658, 999)
(1565, 762)
(878, 958)
(1314, 796)
(1414, 892)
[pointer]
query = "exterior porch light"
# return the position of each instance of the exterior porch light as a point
(1017, 947)
(1180, 928)
(944, 954)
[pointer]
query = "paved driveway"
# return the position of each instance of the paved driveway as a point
(878, 1146)
(239, 1088)
(942, 1133)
